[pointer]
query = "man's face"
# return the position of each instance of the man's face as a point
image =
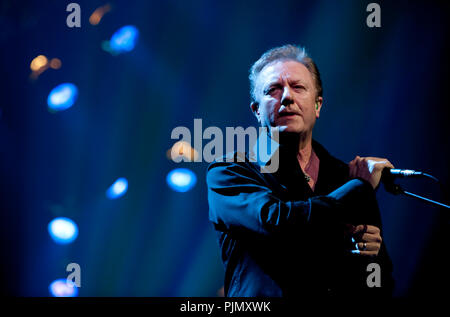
(286, 97)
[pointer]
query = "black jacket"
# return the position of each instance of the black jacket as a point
(279, 238)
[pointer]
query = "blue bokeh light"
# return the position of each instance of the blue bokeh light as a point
(63, 288)
(181, 179)
(63, 230)
(62, 97)
(118, 189)
(124, 39)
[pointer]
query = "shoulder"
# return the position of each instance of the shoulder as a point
(230, 167)
(232, 159)
(329, 161)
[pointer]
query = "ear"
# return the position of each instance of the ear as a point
(255, 109)
(318, 106)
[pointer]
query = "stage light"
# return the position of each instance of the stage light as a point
(181, 179)
(182, 149)
(63, 230)
(98, 14)
(38, 62)
(63, 288)
(124, 39)
(118, 189)
(62, 97)
(55, 63)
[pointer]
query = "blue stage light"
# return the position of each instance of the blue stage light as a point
(63, 288)
(181, 179)
(62, 97)
(124, 39)
(63, 230)
(118, 189)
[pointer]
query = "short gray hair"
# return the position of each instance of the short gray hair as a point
(285, 52)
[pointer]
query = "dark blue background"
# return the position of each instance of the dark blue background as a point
(385, 94)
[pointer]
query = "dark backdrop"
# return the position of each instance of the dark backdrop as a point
(385, 94)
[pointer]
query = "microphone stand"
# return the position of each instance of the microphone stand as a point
(388, 181)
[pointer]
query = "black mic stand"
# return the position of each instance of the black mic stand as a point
(390, 186)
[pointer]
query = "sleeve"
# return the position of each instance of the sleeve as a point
(240, 200)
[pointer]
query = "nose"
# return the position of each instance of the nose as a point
(286, 98)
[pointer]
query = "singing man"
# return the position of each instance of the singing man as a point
(312, 227)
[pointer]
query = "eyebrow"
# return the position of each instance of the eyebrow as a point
(291, 82)
(297, 81)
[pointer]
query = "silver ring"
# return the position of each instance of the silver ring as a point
(364, 246)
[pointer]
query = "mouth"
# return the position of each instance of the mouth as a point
(287, 114)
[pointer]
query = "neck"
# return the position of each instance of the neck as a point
(304, 150)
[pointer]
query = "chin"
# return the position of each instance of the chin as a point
(290, 129)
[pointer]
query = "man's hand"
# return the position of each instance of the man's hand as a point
(368, 239)
(368, 168)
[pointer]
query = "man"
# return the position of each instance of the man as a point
(313, 226)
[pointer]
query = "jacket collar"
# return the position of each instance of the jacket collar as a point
(267, 148)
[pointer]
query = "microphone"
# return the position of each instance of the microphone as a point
(395, 172)
(388, 175)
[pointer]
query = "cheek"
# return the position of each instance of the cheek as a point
(268, 109)
(308, 105)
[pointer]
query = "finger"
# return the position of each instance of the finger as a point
(377, 159)
(372, 229)
(358, 232)
(361, 228)
(352, 169)
(368, 253)
(367, 228)
(389, 164)
(353, 162)
(383, 161)
(372, 252)
(361, 163)
(370, 237)
(377, 165)
(368, 246)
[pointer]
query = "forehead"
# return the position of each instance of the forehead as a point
(284, 70)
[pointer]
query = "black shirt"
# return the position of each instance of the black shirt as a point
(279, 238)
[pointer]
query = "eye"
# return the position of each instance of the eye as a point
(299, 87)
(271, 90)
